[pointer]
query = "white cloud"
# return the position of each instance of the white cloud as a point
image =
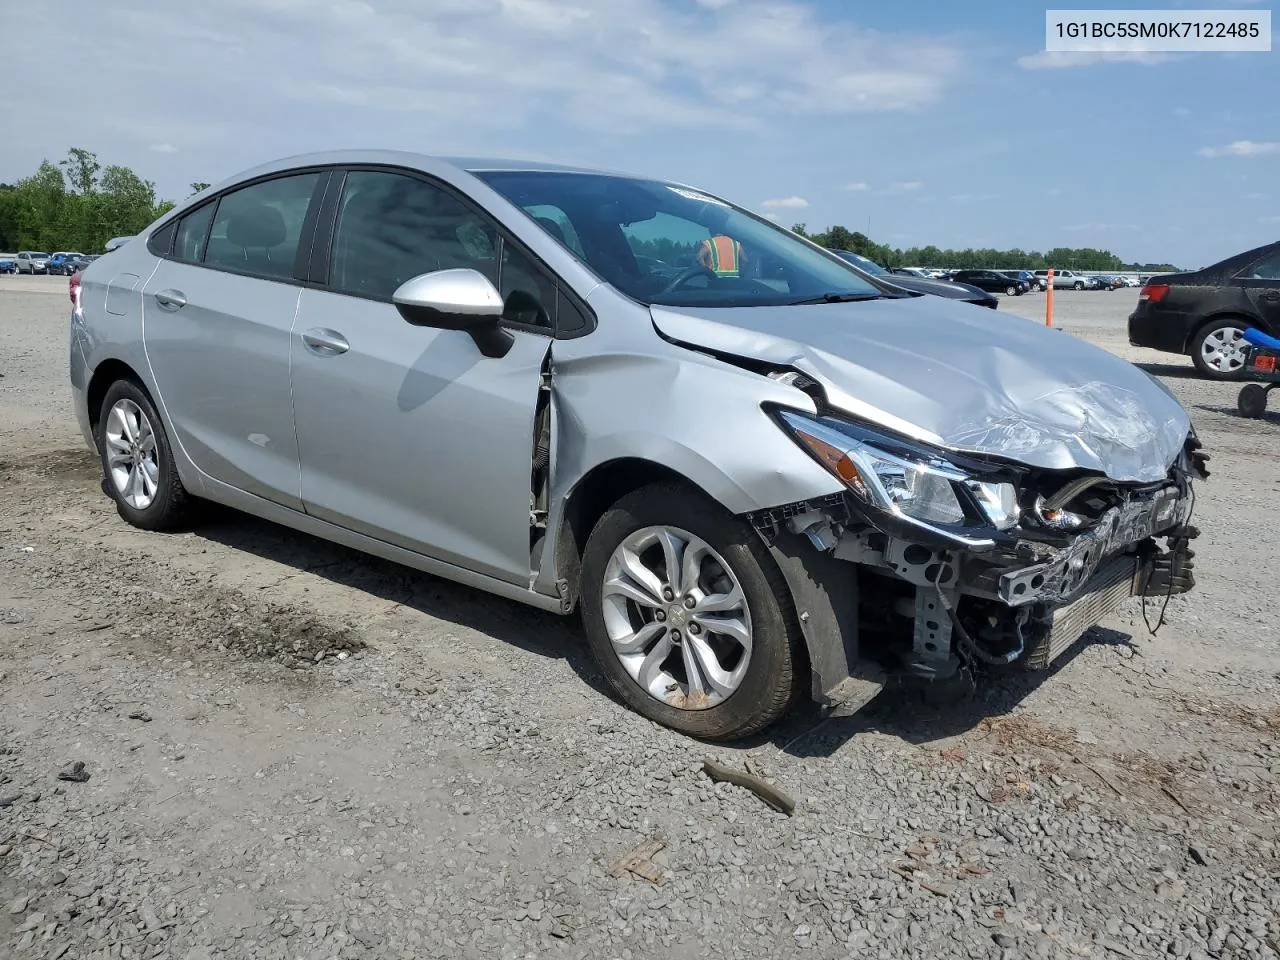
(789, 203)
(1101, 227)
(1059, 59)
(1242, 148)
(857, 185)
(163, 148)
(974, 197)
(773, 216)
(904, 186)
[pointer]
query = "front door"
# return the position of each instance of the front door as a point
(217, 316)
(408, 434)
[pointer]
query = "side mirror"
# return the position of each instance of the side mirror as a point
(461, 299)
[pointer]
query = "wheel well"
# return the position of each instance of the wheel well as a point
(595, 493)
(1208, 321)
(107, 373)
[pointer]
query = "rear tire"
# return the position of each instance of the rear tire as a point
(137, 462)
(766, 685)
(1216, 349)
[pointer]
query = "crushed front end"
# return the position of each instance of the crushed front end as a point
(940, 563)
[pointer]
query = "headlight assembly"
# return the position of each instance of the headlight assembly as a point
(924, 491)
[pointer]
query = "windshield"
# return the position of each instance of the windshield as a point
(868, 266)
(669, 245)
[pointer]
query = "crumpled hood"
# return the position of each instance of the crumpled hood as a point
(962, 377)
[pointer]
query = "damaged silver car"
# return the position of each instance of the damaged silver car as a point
(756, 472)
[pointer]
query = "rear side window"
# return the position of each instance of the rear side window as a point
(258, 228)
(193, 231)
(162, 240)
(1268, 268)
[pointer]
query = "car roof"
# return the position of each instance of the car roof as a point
(413, 159)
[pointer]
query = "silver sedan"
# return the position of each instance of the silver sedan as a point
(753, 470)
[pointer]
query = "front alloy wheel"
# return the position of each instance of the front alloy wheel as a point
(688, 616)
(676, 617)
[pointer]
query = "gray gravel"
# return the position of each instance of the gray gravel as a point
(296, 752)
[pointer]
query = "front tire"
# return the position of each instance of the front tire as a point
(1077, 285)
(1011, 291)
(137, 462)
(1218, 349)
(687, 615)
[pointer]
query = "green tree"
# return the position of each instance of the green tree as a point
(197, 186)
(81, 168)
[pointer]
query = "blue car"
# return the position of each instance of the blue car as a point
(8, 263)
(64, 264)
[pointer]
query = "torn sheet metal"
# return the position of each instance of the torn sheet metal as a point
(973, 381)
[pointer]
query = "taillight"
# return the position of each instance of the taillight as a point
(1154, 292)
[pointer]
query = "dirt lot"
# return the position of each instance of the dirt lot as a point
(298, 752)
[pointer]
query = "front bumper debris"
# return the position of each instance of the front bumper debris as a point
(1022, 604)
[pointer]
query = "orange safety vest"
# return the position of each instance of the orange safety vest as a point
(725, 255)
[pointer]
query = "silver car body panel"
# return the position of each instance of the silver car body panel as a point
(968, 381)
(404, 442)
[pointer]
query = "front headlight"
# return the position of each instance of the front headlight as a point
(923, 490)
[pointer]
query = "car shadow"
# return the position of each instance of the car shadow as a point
(536, 631)
(1268, 416)
(919, 716)
(1183, 371)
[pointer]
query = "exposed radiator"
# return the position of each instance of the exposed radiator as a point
(1105, 590)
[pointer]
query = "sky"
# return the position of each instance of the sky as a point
(923, 121)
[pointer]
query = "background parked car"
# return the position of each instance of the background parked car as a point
(63, 264)
(991, 280)
(1066, 279)
(32, 262)
(917, 284)
(1204, 313)
(1026, 276)
(8, 263)
(900, 271)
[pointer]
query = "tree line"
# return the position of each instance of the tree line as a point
(1086, 259)
(76, 204)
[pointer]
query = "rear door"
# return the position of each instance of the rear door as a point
(217, 314)
(408, 434)
(1261, 283)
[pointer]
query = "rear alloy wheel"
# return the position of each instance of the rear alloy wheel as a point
(1218, 350)
(137, 461)
(687, 615)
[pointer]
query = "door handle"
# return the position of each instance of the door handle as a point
(171, 299)
(324, 342)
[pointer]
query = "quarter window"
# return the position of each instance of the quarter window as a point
(193, 231)
(258, 228)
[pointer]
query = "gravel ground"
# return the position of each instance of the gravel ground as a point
(293, 751)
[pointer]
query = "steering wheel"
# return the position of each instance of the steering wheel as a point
(684, 276)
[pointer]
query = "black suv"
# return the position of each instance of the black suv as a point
(992, 281)
(1203, 314)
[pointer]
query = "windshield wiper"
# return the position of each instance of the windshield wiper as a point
(838, 298)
